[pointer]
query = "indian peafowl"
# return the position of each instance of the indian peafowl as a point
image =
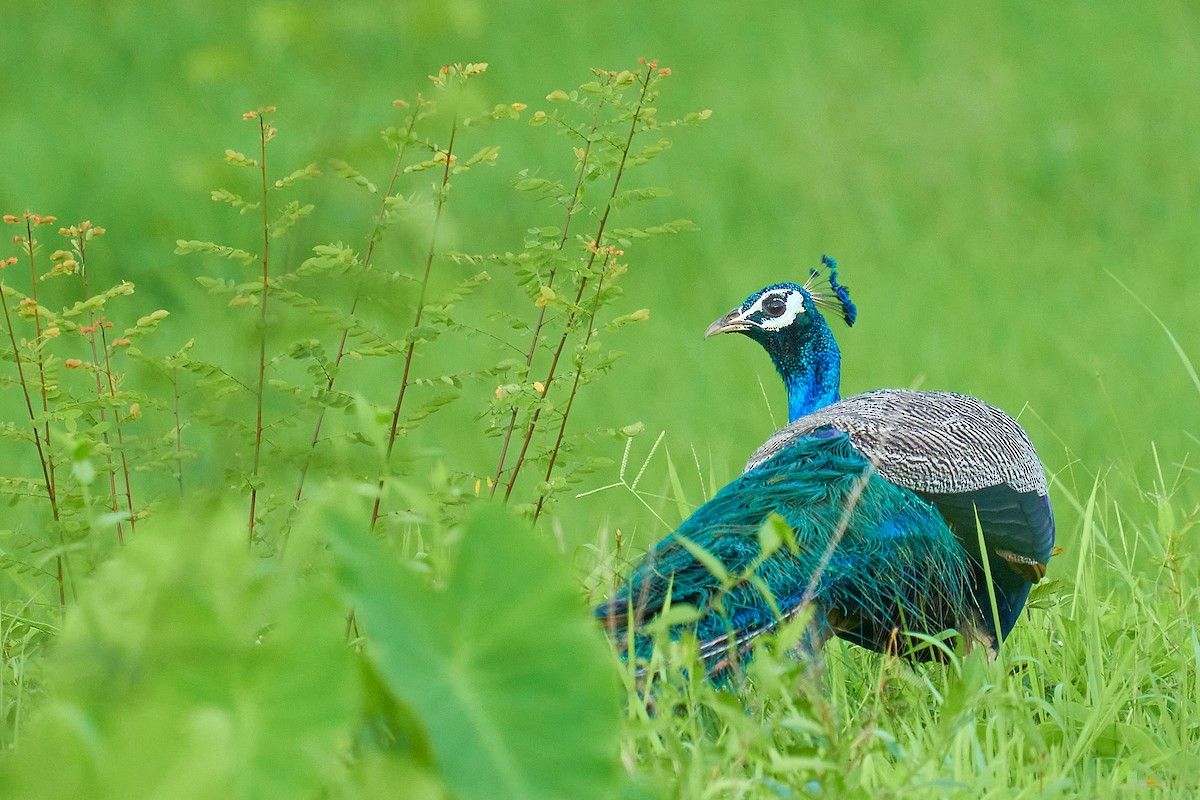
(887, 492)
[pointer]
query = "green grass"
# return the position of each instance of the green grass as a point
(1093, 696)
(1009, 190)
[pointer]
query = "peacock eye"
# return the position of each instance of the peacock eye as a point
(774, 305)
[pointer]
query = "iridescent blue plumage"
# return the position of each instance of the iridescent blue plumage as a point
(934, 471)
(972, 461)
(842, 293)
(783, 319)
(872, 558)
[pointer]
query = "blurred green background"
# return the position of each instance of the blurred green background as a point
(977, 169)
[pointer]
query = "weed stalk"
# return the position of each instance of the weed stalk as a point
(376, 234)
(595, 250)
(45, 457)
(79, 237)
(541, 320)
(265, 134)
(440, 203)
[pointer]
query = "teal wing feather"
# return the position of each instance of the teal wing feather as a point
(872, 558)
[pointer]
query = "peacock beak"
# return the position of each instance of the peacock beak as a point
(733, 321)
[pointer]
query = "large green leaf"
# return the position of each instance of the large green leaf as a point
(502, 666)
(191, 669)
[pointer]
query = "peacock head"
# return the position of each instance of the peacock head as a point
(785, 320)
(787, 311)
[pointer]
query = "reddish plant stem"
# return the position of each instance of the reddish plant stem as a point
(366, 265)
(43, 457)
(262, 338)
(562, 428)
(529, 431)
(41, 364)
(92, 327)
(178, 429)
(537, 412)
(541, 320)
(412, 345)
(112, 392)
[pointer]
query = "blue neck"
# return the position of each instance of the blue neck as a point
(811, 372)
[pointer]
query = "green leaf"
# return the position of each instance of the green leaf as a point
(234, 200)
(216, 285)
(675, 226)
(239, 159)
(773, 534)
(463, 288)
(185, 246)
(437, 162)
(648, 152)
(421, 333)
(192, 669)
(486, 155)
(307, 173)
(506, 111)
(292, 213)
(707, 560)
(344, 170)
(531, 184)
(97, 301)
(630, 196)
(641, 315)
(503, 667)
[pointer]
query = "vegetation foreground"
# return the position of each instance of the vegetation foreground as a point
(241, 565)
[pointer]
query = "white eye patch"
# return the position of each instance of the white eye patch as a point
(794, 308)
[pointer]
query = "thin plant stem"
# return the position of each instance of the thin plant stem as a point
(541, 320)
(92, 327)
(43, 457)
(112, 393)
(531, 428)
(376, 234)
(537, 412)
(562, 428)
(41, 364)
(112, 475)
(262, 337)
(408, 356)
(178, 428)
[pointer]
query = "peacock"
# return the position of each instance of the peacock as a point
(885, 495)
